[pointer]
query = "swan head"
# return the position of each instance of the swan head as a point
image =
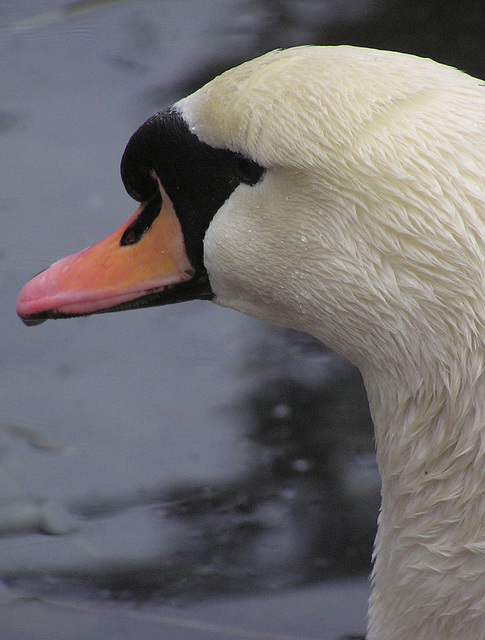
(303, 187)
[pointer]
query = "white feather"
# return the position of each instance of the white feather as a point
(368, 231)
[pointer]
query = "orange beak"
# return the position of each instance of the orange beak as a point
(112, 274)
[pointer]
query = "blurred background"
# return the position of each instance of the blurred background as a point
(181, 472)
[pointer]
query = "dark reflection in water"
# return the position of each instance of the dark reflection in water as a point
(305, 509)
(430, 28)
(306, 512)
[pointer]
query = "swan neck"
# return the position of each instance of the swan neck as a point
(430, 546)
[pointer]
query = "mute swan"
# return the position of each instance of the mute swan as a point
(339, 191)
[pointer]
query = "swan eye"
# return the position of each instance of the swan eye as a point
(248, 171)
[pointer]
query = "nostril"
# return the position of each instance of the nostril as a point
(137, 229)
